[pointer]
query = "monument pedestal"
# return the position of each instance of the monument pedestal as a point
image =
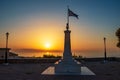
(67, 65)
(71, 67)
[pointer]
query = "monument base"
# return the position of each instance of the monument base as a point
(68, 67)
(84, 71)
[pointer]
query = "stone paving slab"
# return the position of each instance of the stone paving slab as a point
(84, 71)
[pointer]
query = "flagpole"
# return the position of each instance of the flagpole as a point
(67, 26)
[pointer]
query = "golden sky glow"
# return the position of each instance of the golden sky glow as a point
(35, 33)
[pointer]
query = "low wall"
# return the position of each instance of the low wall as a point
(43, 60)
(98, 59)
(53, 60)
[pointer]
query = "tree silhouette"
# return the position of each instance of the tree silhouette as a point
(118, 35)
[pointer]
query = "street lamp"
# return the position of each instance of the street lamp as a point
(6, 52)
(105, 56)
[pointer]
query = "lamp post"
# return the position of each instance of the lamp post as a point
(105, 56)
(6, 52)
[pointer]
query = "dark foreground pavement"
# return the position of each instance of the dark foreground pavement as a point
(103, 71)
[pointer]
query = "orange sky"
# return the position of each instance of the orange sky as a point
(35, 33)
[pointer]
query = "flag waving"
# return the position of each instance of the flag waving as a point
(70, 13)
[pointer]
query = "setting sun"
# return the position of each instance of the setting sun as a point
(47, 45)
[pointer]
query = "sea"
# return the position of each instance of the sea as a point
(89, 54)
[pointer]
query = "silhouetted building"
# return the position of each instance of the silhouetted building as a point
(10, 54)
(2, 52)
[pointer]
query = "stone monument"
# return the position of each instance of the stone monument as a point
(67, 65)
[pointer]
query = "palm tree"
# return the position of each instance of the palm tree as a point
(118, 35)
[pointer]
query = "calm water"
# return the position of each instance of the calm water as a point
(83, 54)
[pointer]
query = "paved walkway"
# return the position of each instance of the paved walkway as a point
(103, 71)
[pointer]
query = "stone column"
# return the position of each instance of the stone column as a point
(67, 55)
(67, 65)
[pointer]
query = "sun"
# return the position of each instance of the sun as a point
(47, 45)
